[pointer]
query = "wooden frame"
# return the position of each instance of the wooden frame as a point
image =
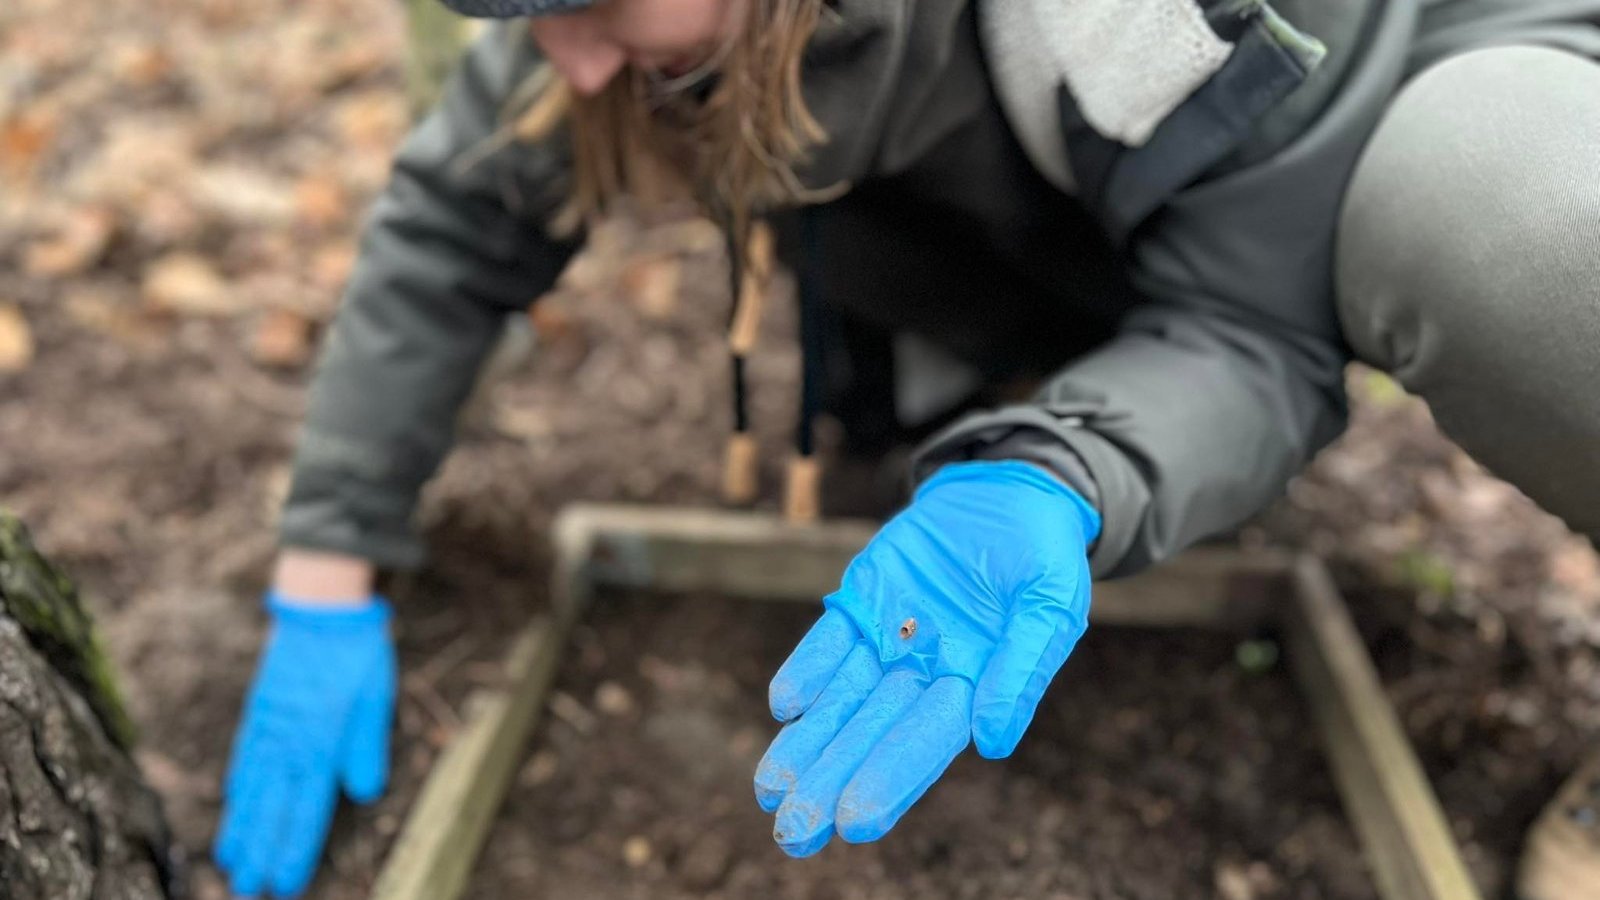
(750, 555)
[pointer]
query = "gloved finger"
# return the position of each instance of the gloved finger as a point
(800, 742)
(241, 807)
(245, 752)
(908, 760)
(304, 830)
(804, 821)
(812, 664)
(1036, 642)
(260, 835)
(364, 770)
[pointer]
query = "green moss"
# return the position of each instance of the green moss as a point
(1256, 657)
(46, 604)
(1426, 573)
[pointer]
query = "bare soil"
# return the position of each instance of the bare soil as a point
(1157, 768)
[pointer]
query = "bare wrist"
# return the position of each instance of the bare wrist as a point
(321, 577)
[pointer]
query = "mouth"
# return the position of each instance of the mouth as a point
(680, 66)
(675, 66)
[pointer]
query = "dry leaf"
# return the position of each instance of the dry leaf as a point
(282, 338)
(1574, 565)
(16, 339)
(98, 309)
(242, 194)
(320, 201)
(374, 119)
(23, 139)
(142, 65)
(613, 699)
(332, 265)
(552, 324)
(80, 244)
(651, 284)
(350, 63)
(187, 284)
(691, 236)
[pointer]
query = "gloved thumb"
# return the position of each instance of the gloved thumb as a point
(1036, 642)
(364, 770)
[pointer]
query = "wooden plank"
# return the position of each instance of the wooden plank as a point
(447, 826)
(760, 556)
(1402, 828)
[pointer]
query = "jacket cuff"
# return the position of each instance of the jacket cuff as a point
(344, 501)
(1086, 461)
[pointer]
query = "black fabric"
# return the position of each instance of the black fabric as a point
(513, 9)
(1124, 185)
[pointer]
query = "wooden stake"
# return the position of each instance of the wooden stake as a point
(740, 469)
(802, 490)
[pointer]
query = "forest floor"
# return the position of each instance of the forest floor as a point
(181, 184)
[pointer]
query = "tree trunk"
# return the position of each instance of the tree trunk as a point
(76, 819)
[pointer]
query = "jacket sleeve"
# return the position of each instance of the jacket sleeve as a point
(1190, 420)
(454, 244)
(1220, 387)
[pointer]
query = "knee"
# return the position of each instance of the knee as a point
(1478, 193)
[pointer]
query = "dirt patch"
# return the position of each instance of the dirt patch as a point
(1157, 768)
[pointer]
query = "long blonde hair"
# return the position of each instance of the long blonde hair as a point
(730, 144)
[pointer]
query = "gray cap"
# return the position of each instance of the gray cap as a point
(514, 9)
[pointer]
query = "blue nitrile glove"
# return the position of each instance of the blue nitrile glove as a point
(946, 629)
(317, 717)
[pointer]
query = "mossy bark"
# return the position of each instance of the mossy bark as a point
(436, 37)
(77, 821)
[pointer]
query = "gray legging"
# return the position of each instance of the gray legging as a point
(1469, 264)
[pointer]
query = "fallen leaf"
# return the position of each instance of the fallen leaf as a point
(613, 699)
(97, 308)
(541, 768)
(23, 140)
(79, 244)
(142, 65)
(690, 236)
(651, 284)
(1232, 882)
(351, 63)
(331, 266)
(552, 324)
(242, 194)
(373, 119)
(320, 201)
(16, 339)
(1574, 564)
(282, 338)
(187, 284)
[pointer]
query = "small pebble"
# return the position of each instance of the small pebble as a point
(540, 769)
(636, 851)
(613, 699)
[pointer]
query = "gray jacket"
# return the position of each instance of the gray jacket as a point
(1215, 387)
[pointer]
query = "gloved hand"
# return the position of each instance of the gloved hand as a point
(947, 629)
(317, 717)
